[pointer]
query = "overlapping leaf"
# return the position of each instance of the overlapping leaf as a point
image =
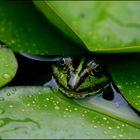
(8, 65)
(23, 29)
(125, 72)
(111, 26)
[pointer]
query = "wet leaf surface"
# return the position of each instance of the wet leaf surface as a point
(104, 27)
(37, 112)
(125, 73)
(24, 29)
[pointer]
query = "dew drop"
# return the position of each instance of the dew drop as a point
(118, 127)
(83, 115)
(126, 83)
(14, 90)
(117, 104)
(13, 41)
(57, 102)
(66, 109)
(104, 118)
(109, 128)
(23, 110)
(47, 99)
(11, 106)
(85, 112)
(138, 96)
(120, 135)
(75, 109)
(8, 94)
(105, 132)
(28, 104)
(56, 107)
(107, 122)
(114, 137)
(20, 97)
(123, 125)
(6, 76)
(33, 102)
(1, 98)
(30, 96)
(95, 126)
(69, 106)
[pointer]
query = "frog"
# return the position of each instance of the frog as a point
(77, 76)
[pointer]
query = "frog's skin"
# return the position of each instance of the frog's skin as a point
(80, 77)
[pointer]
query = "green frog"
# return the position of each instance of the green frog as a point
(78, 77)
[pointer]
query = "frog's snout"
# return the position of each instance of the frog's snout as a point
(73, 81)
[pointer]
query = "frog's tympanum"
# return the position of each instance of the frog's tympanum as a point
(79, 77)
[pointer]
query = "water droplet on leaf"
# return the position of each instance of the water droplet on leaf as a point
(1, 98)
(11, 106)
(56, 107)
(6, 76)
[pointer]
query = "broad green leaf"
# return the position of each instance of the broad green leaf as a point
(8, 65)
(24, 29)
(125, 71)
(107, 26)
(37, 112)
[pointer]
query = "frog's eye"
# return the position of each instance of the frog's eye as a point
(65, 63)
(62, 61)
(94, 69)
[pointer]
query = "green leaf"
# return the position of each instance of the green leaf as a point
(37, 112)
(107, 26)
(125, 71)
(24, 29)
(8, 65)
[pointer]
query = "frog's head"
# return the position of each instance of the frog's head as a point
(79, 77)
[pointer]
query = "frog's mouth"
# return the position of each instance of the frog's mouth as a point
(82, 93)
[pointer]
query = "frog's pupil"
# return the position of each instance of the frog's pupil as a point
(97, 68)
(62, 61)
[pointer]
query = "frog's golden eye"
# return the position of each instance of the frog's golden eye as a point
(65, 63)
(62, 61)
(94, 69)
